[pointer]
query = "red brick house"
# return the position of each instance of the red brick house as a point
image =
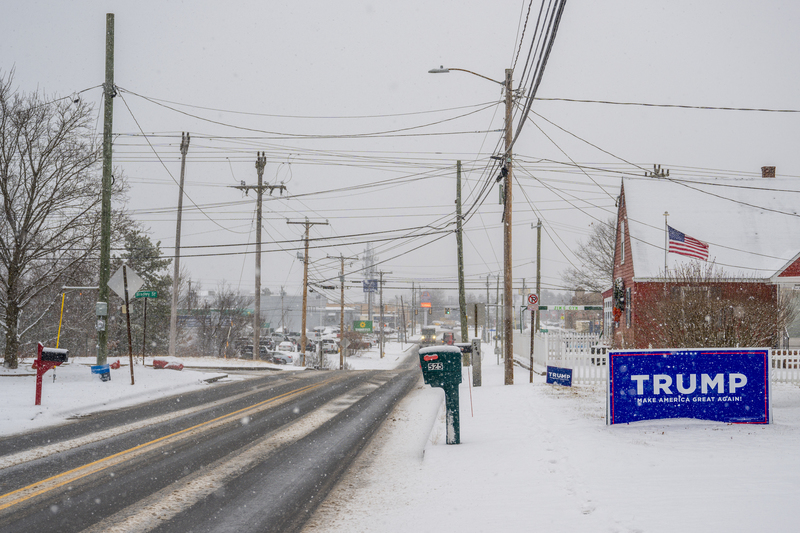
(751, 227)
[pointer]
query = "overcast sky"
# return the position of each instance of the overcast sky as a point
(287, 77)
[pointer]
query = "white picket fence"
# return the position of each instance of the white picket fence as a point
(588, 359)
(577, 351)
(785, 366)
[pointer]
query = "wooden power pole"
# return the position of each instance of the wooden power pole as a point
(109, 92)
(261, 162)
(462, 297)
(381, 273)
(342, 259)
(173, 314)
(303, 339)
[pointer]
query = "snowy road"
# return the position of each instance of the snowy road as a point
(256, 455)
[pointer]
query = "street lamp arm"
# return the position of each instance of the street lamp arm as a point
(442, 70)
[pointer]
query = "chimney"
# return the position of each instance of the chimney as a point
(767, 172)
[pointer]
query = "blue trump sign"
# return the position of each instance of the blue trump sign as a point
(559, 376)
(725, 384)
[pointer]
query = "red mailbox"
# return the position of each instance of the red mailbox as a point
(47, 358)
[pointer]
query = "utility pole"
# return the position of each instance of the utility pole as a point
(462, 297)
(522, 315)
(506, 174)
(342, 259)
(283, 313)
(486, 314)
(303, 338)
(508, 293)
(109, 92)
(261, 162)
(369, 273)
(403, 312)
(381, 273)
(413, 309)
(535, 312)
(538, 270)
(497, 319)
(173, 314)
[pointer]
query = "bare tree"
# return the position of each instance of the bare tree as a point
(701, 306)
(50, 197)
(221, 321)
(596, 271)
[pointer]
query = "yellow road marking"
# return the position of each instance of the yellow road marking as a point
(88, 470)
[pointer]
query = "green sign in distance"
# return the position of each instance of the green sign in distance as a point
(146, 294)
(362, 326)
(570, 307)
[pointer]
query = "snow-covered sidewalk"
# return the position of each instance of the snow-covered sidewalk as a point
(540, 457)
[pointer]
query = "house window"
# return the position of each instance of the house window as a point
(628, 308)
(622, 242)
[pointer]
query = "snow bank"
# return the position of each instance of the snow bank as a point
(538, 456)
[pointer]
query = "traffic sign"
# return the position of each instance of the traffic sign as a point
(146, 294)
(370, 285)
(533, 298)
(116, 283)
(362, 326)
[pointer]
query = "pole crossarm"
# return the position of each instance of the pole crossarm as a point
(246, 188)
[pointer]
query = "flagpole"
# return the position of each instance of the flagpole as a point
(666, 241)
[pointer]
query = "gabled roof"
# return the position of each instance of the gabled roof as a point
(752, 226)
(788, 273)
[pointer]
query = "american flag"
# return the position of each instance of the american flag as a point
(680, 243)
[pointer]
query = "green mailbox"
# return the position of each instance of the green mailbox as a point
(441, 367)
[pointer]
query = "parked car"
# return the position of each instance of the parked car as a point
(283, 358)
(247, 351)
(330, 346)
(286, 346)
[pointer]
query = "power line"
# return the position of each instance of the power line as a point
(678, 106)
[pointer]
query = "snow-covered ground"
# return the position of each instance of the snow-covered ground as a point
(76, 391)
(533, 457)
(540, 457)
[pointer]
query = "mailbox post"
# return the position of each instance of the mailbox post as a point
(441, 367)
(47, 358)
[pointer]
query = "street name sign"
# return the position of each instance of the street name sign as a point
(146, 294)
(570, 307)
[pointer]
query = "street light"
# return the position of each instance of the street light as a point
(508, 296)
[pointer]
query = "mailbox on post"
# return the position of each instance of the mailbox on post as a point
(47, 358)
(441, 367)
